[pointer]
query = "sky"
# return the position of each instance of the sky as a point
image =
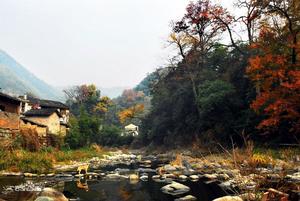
(111, 43)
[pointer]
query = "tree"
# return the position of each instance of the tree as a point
(195, 35)
(275, 69)
(131, 112)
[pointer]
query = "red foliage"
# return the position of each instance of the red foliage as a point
(277, 80)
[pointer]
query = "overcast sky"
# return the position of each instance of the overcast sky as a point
(106, 42)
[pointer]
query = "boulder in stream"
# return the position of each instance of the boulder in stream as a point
(175, 189)
(50, 194)
(229, 198)
(187, 198)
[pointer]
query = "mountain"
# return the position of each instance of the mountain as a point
(112, 92)
(16, 79)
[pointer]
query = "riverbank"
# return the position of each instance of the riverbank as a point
(249, 174)
(44, 161)
(252, 173)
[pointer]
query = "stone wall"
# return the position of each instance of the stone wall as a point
(9, 124)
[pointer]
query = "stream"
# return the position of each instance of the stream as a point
(111, 182)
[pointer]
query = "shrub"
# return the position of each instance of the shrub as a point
(30, 139)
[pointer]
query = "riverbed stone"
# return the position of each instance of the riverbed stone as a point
(294, 177)
(146, 170)
(44, 198)
(52, 193)
(175, 188)
(144, 177)
(115, 176)
(229, 198)
(223, 177)
(133, 177)
(194, 177)
(169, 176)
(211, 176)
(26, 174)
(169, 168)
(182, 177)
(186, 198)
(11, 174)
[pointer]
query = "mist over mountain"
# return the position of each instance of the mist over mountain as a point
(17, 80)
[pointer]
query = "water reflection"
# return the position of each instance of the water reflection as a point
(82, 184)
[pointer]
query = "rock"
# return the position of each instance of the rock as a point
(64, 175)
(78, 176)
(187, 198)
(223, 177)
(182, 177)
(169, 168)
(115, 176)
(53, 194)
(95, 160)
(211, 176)
(44, 198)
(226, 184)
(229, 198)
(155, 177)
(248, 196)
(175, 189)
(194, 177)
(122, 170)
(91, 175)
(146, 170)
(146, 162)
(133, 177)
(294, 177)
(30, 175)
(273, 176)
(50, 175)
(170, 176)
(158, 178)
(144, 177)
(13, 174)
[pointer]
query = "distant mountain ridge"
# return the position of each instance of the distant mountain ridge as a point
(16, 79)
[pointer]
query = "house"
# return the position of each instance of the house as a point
(132, 129)
(45, 117)
(10, 109)
(50, 117)
(35, 103)
(10, 104)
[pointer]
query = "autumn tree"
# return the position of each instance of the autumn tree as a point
(131, 113)
(275, 69)
(195, 35)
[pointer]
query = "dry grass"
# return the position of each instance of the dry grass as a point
(177, 161)
(43, 161)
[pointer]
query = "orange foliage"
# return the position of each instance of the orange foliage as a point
(131, 112)
(277, 79)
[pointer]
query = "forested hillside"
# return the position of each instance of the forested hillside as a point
(215, 92)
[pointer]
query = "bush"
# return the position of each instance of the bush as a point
(30, 139)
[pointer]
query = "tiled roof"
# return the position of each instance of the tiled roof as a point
(32, 122)
(8, 97)
(48, 103)
(41, 112)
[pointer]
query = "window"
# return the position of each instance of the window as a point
(2, 108)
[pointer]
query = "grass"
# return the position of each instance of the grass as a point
(44, 160)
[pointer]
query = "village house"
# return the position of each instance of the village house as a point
(132, 129)
(53, 114)
(10, 104)
(10, 109)
(45, 117)
(35, 103)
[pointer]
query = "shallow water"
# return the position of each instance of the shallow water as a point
(110, 190)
